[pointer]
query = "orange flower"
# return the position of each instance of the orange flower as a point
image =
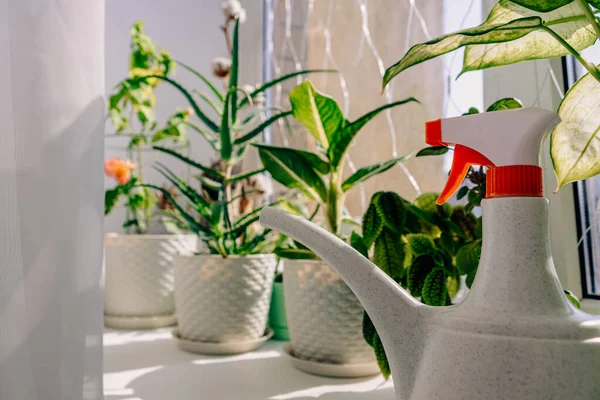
(118, 169)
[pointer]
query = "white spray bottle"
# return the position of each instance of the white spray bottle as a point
(516, 335)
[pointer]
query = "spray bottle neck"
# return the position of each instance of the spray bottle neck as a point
(514, 181)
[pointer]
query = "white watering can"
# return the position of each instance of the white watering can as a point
(516, 336)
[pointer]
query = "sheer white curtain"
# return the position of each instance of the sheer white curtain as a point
(51, 153)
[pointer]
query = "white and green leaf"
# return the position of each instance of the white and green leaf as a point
(575, 142)
(507, 103)
(567, 21)
(319, 113)
(542, 5)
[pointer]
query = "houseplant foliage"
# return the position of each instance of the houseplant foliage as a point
(521, 30)
(131, 110)
(223, 212)
(424, 247)
(320, 175)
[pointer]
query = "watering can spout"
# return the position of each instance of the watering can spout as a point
(398, 317)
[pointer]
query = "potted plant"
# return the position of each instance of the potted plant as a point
(223, 294)
(139, 276)
(324, 316)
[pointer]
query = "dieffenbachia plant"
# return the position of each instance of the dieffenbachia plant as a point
(424, 247)
(320, 175)
(521, 30)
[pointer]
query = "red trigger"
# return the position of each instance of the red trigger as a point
(464, 157)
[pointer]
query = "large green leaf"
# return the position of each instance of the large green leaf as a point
(279, 80)
(445, 44)
(208, 171)
(575, 143)
(542, 5)
(595, 3)
(467, 257)
(420, 268)
(507, 103)
(225, 129)
(341, 138)
(319, 113)
(370, 171)
(358, 243)
(390, 253)
(435, 291)
(293, 169)
(111, 198)
(260, 128)
(421, 244)
(212, 87)
(382, 361)
(392, 211)
(368, 329)
(199, 113)
(568, 22)
(233, 74)
(372, 225)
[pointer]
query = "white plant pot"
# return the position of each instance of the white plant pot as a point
(324, 316)
(139, 281)
(223, 300)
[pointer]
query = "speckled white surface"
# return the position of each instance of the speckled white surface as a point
(220, 300)
(514, 337)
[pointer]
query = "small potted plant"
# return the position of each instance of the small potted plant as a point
(223, 293)
(324, 316)
(139, 276)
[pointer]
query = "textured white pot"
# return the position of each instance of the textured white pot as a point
(139, 273)
(223, 300)
(324, 316)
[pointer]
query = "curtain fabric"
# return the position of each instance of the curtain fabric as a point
(51, 191)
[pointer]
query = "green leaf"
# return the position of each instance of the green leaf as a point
(260, 128)
(421, 245)
(466, 221)
(210, 137)
(111, 198)
(595, 3)
(391, 210)
(368, 329)
(507, 103)
(208, 171)
(340, 139)
(208, 83)
(472, 111)
(225, 131)
(372, 225)
(319, 113)
(542, 5)
(370, 171)
(462, 192)
(573, 299)
(568, 22)
(434, 289)
(245, 175)
(575, 142)
(432, 151)
(445, 44)
(382, 361)
(426, 201)
(207, 121)
(452, 285)
(294, 169)
(296, 254)
(279, 80)
(467, 257)
(420, 268)
(193, 225)
(233, 74)
(390, 254)
(471, 278)
(357, 242)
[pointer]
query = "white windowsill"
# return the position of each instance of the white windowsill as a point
(147, 365)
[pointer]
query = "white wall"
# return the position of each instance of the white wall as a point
(190, 31)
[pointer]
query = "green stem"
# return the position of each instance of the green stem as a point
(589, 14)
(140, 166)
(585, 63)
(335, 203)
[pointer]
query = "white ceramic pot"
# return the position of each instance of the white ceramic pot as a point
(139, 280)
(223, 300)
(324, 316)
